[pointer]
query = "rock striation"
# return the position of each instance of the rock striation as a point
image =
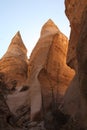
(74, 10)
(14, 63)
(75, 99)
(31, 91)
(47, 68)
(13, 73)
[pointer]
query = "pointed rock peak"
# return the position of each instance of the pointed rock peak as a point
(49, 27)
(18, 34)
(16, 47)
(50, 22)
(17, 41)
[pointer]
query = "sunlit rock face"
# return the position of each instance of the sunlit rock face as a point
(13, 81)
(75, 99)
(47, 68)
(14, 68)
(14, 63)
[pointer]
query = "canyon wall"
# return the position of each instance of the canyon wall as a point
(75, 100)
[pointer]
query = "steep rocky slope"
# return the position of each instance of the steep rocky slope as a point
(75, 100)
(48, 69)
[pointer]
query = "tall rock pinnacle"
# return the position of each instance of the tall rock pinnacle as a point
(14, 63)
(49, 55)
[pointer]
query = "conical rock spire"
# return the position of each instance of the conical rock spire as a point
(14, 63)
(49, 28)
(16, 47)
(49, 54)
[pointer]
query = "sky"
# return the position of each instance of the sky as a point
(28, 17)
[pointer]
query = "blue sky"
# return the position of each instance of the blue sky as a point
(28, 17)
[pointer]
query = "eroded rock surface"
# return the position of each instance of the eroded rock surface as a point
(14, 63)
(48, 63)
(74, 11)
(75, 100)
(14, 68)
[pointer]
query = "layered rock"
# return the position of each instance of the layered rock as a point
(75, 100)
(14, 67)
(47, 68)
(14, 63)
(74, 11)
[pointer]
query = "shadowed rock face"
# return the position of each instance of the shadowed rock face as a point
(14, 63)
(82, 54)
(4, 109)
(74, 10)
(75, 99)
(48, 63)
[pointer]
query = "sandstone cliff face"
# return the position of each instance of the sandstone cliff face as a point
(14, 67)
(13, 76)
(74, 11)
(14, 63)
(48, 63)
(75, 100)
